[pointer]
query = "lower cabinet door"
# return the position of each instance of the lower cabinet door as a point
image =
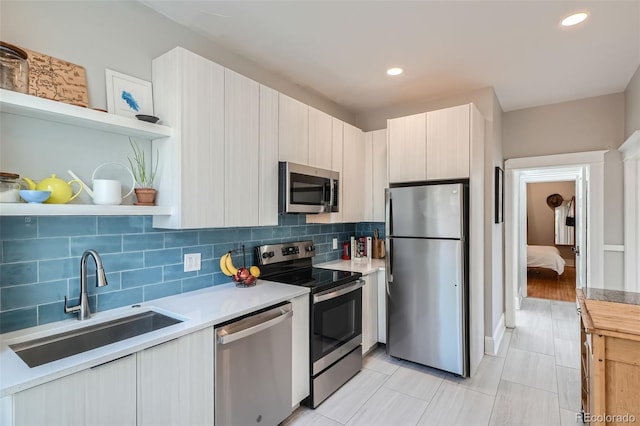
(382, 307)
(104, 395)
(369, 312)
(175, 381)
(300, 374)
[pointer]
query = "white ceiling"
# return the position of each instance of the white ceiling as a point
(341, 49)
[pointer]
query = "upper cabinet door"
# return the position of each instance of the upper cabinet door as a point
(241, 129)
(448, 143)
(268, 158)
(190, 97)
(320, 151)
(353, 178)
(379, 173)
(293, 130)
(367, 207)
(407, 148)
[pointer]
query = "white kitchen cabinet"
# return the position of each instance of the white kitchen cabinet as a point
(369, 312)
(293, 130)
(337, 129)
(320, 139)
(407, 148)
(300, 349)
(353, 177)
(241, 148)
(448, 139)
(382, 307)
(268, 158)
(375, 175)
(102, 395)
(175, 381)
(189, 96)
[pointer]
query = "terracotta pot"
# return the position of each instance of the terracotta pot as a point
(145, 196)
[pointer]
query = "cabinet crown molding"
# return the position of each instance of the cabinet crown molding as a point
(631, 147)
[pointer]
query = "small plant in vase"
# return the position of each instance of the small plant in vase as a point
(145, 193)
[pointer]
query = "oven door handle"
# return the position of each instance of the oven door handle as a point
(337, 292)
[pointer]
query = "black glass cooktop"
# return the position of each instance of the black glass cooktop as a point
(316, 279)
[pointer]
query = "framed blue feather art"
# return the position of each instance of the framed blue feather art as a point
(128, 96)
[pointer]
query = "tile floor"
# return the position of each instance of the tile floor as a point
(534, 380)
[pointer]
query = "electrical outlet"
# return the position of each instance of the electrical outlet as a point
(335, 243)
(192, 262)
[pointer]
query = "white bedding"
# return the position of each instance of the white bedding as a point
(545, 257)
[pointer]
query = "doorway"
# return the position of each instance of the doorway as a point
(587, 170)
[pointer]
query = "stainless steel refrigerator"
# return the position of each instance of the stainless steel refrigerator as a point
(427, 275)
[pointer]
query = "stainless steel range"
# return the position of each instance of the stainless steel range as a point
(335, 313)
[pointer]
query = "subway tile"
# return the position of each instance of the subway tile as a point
(312, 229)
(120, 298)
(180, 239)
(137, 242)
(18, 273)
(18, 319)
(214, 236)
(22, 296)
(337, 227)
(165, 289)
(209, 266)
(141, 277)
(282, 232)
(261, 233)
(176, 272)
(148, 225)
(220, 249)
(52, 312)
(326, 229)
(287, 219)
(18, 227)
(206, 251)
(113, 284)
(302, 219)
(66, 226)
(35, 249)
(101, 243)
(244, 234)
(162, 257)
(120, 224)
(220, 278)
(49, 270)
(196, 283)
(298, 231)
(123, 261)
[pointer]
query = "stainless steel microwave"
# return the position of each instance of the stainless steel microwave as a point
(306, 189)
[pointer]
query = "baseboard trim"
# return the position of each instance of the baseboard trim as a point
(492, 343)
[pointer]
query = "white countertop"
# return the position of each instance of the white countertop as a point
(364, 267)
(198, 309)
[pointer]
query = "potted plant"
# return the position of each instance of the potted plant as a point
(145, 193)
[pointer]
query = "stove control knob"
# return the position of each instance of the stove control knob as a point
(310, 248)
(268, 254)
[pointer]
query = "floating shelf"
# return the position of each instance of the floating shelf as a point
(60, 112)
(24, 209)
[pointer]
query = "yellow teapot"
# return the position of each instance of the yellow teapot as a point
(61, 191)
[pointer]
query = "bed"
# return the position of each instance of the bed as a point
(547, 257)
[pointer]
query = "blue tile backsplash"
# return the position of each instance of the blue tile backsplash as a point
(40, 259)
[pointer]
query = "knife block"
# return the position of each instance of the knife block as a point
(378, 249)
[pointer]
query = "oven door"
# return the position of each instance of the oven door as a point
(336, 324)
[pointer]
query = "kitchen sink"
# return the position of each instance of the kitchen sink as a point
(52, 348)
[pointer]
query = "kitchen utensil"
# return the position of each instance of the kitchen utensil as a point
(106, 191)
(9, 187)
(61, 191)
(34, 196)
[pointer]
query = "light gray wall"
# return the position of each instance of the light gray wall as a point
(632, 105)
(584, 125)
(125, 36)
(488, 104)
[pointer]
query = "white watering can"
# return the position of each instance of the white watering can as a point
(106, 191)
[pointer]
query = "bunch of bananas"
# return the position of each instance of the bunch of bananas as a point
(239, 275)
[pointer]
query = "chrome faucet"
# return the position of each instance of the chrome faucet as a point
(101, 280)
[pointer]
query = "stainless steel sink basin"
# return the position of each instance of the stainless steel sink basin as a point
(52, 348)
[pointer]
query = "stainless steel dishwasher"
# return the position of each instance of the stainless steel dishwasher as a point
(253, 369)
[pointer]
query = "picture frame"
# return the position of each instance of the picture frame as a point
(499, 195)
(127, 95)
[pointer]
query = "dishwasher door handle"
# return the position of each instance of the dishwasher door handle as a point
(224, 338)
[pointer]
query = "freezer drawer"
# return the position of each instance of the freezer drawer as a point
(426, 304)
(253, 369)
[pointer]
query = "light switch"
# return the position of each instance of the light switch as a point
(192, 262)
(335, 243)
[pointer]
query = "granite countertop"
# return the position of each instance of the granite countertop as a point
(614, 296)
(364, 267)
(198, 309)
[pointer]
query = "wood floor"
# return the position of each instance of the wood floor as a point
(545, 284)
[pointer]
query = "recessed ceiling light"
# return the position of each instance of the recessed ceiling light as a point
(394, 71)
(574, 19)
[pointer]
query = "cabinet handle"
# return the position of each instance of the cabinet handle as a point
(113, 360)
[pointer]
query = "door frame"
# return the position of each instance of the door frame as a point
(587, 167)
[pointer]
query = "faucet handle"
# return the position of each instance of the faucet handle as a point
(69, 310)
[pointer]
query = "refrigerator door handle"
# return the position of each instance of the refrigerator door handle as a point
(387, 212)
(389, 265)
